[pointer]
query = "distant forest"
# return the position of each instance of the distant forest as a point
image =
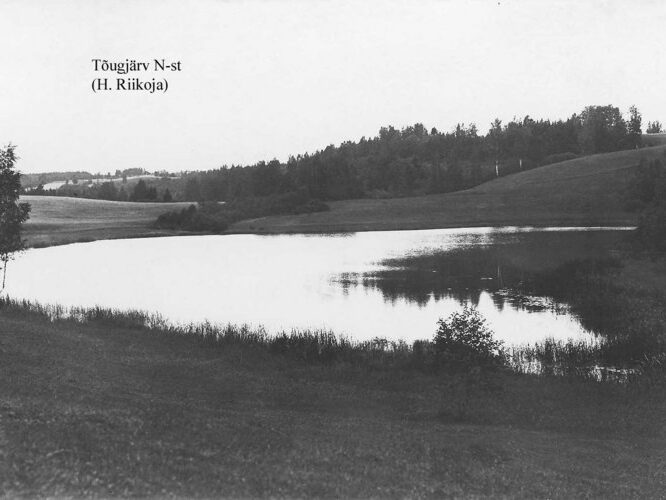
(405, 162)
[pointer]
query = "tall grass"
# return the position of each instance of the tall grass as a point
(307, 345)
(570, 358)
(599, 360)
(609, 359)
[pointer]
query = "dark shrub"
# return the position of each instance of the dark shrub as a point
(217, 217)
(463, 341)
(207, 217)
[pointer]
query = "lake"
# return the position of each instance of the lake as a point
(393, 284)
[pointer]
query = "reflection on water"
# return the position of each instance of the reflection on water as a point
(391, 284)
(500, 266)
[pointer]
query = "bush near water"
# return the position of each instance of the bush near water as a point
(217, 217)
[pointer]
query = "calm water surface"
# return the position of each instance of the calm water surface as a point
(391, 284)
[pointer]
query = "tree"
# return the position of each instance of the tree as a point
(465, 347)
(495, 135)
(108, 191)
(654, 127)
(122, 194)
(167, 198)
(634, 127)
(192, 190)
(140, 192)
(12, 213)
(464, 340)
(602, 129)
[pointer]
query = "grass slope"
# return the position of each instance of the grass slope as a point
(55, 220)
(104, 410)
(584, 191)
(654, 139)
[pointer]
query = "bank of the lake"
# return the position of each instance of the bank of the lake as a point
(392, 284)
(587, 191)
(122, 220)
(106, 409)
(61, 221)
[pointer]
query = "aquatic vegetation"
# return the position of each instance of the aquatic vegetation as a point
(463, 344)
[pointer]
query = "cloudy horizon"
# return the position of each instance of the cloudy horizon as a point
(263, 80)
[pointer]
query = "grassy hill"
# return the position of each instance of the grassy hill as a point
(654, 139)
(584, 191)
(55, 220)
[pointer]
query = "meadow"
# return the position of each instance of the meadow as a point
(118, 404)
(56, 220)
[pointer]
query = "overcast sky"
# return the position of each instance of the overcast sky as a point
(263, 80)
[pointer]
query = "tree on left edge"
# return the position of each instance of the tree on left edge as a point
(12, 213)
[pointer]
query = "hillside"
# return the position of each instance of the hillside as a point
(55, 220)
(654, 139)
(584, 191)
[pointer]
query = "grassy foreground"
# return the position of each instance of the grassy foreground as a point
(106, 408)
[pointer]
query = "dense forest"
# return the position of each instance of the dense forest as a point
(409, 161)
(416, 161)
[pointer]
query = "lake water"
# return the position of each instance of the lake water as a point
(393, 284)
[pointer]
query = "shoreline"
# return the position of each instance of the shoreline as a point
(52, 237)
(588, 191)
(159, 408)
(328, 343)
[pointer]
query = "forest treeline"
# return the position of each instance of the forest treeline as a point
(400, 162)
(414, 161)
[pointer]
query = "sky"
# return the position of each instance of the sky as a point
(266, 79)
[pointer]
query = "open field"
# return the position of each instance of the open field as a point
(584, 191)
(105, 409)
(55, 220)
